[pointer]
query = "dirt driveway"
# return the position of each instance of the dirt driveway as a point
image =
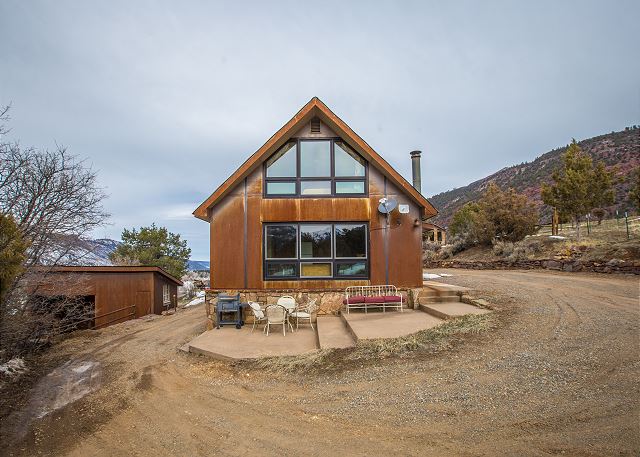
(559, 375)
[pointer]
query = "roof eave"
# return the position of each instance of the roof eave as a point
(315, 107)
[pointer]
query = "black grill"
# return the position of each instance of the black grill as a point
(229, 311)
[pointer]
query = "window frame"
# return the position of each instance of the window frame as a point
(333, 260)
(332, 179)
(283, 259)
(166, 294)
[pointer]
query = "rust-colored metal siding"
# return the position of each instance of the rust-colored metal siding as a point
(119, 296)
(159, 282)
(230, 239)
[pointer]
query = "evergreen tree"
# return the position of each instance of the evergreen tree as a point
(12, 252)
(503, 215)
(463, 219)
(512, 215)
(602, 191)
(578, 185)
(153, 246)
(634, 192)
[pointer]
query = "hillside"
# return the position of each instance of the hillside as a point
(618, 150)
(96, 253)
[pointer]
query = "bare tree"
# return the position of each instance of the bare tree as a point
(56, 202)
(53, 197)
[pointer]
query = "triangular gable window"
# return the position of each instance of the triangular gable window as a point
(283, 163)
(315, 167)
(347, 161)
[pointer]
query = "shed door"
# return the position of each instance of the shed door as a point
(143, 304)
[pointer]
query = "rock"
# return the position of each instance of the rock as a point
(553, 265)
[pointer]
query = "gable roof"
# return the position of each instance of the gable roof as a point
(314, 108)
(115, 269)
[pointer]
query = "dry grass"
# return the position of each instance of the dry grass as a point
(431, 340)
(611, 230)
(288, 364)
(605, 242)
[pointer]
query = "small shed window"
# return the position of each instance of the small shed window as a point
(315, 168)
(320, 250)
(166, 294)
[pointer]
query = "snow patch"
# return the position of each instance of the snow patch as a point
(66, 384)
(195, 301)
(557, 237)
(83, 367)
(430, 276)
(13, 367)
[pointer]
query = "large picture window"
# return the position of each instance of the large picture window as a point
(315, 168)
(316, 250)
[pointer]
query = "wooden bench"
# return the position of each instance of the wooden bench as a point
(363, 297)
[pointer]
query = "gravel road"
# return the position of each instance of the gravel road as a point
(558, 375)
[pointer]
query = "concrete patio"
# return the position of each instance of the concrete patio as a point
(228, 343)
(435, 303)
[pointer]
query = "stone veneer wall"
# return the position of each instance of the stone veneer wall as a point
(329, 301)
(612, 266)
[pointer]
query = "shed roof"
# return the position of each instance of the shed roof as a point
(314, 108)
(116, 269)
(431, 226)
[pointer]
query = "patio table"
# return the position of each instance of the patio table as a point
(290, 307)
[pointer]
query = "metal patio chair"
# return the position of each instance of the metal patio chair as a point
(258, 314)
(305, 313)
(276, 315)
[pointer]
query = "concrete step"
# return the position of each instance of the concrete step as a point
(438, 299)
(333, 334)
(451, 310)
(442, 288)
(437, 293)
(391, 324)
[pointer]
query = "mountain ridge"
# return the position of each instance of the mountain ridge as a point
(95, 252)
(620, 152)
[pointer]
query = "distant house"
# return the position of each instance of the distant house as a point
(434, 233)
(112, 294)
(302, 212)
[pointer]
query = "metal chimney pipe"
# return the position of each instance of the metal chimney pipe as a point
(415, 170)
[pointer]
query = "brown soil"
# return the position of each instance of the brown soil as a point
(558, 375)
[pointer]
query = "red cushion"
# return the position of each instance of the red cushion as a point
(354, 299)
(392, 298)
(376, 299)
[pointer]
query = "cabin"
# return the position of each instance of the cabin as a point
(316, 208)
(114, 293)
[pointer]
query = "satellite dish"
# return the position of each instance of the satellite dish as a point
(387, 205)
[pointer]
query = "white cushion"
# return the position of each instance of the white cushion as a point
(255, 307)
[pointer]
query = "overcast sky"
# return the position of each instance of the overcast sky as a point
(167, 99)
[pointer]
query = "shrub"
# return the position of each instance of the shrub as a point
(497, 215)
(502, 248)
(431, 250)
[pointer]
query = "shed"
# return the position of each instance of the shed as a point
(117, 293)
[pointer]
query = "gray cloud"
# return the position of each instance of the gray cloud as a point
(166, 99)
